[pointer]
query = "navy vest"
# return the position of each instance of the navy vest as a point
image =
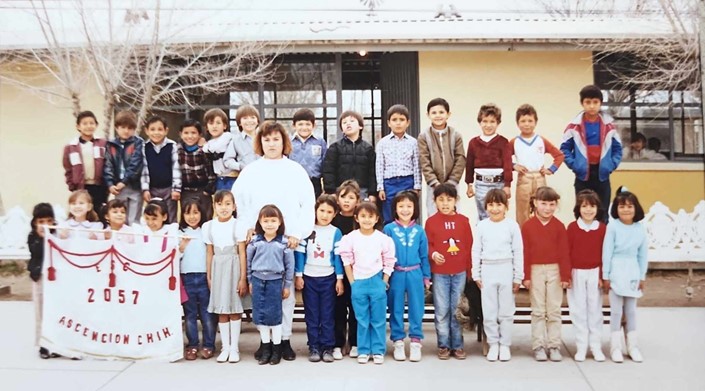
(159, 164)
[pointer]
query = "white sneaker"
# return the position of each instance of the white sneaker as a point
(378, 359)
(234, 356)
(540, 354)
(554, 354)
(597, 353)
(363, 358)
(617, 355)
(399, 353)
(633, 347)
(353, 352)
(493, 353)
(338, 354)
(580, 354)
(505, 354)
(223, 356)
(415, 352)
(616, 346)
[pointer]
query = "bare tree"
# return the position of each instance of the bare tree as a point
(66, 66)
(652, 62)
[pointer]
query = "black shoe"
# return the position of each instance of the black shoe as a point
(276, 354)
(266, 354)
(44, 353)
(258, 353)
(314, 355)
(287, 352)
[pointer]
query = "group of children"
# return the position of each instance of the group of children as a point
(350, 277)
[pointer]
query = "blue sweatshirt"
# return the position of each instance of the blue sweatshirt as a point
(411, 246)
(270, 260)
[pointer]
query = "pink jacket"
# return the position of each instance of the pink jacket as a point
(73, 163)
(368, 254)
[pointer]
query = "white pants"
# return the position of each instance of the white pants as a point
(38, 297)
(288, 314)
(585, 304)
(498, 302)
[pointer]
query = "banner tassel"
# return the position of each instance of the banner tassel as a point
(111, 280)
(172, 283)
(51, 273)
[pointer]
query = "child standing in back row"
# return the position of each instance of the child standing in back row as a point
(441, 151)
(585, 238)
(307, 149)
(497, 269)
(624, 266)
(412, 274)
(529, 150)
(547, 273)
(397, 164)
(161, 174)
(368, 257)
(489, 161)
(217, 124)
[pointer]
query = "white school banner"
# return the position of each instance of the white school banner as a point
(116, 299)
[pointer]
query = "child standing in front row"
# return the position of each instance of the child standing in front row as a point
(624, 266)
(348, 196)
(226, 274)
(529, 150)
(42, 216)
(497, 269)
(368, 257)
(547, 273)
(194, 275)
(449, 243)
(116, 217)
(412, 274)
(585, 238)
(319, 273)
(82, 218)
(489, 161)
(270, 272)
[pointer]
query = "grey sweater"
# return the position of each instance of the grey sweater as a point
(270, 260)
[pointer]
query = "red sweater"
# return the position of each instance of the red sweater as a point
(545, 244)
(450, 236)
(494, 154)
(585, 247)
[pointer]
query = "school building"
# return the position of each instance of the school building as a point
(340, 55)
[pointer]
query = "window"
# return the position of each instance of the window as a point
(657, 125)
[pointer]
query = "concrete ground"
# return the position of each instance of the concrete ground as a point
(672, 341)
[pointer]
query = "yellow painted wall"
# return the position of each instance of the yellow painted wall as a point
(32, 135)
(550, 81)
(675, 189)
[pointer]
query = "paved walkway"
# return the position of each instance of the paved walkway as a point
(672, 341)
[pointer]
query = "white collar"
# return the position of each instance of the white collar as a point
(487, 139)
(587, 228)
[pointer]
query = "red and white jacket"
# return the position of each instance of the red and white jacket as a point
(73, 163)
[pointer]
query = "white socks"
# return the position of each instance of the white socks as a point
(235, 326)
(225, 339)
(276, 334)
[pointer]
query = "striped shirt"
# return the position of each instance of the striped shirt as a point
(397, 157)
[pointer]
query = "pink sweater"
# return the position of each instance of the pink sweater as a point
(367, 254)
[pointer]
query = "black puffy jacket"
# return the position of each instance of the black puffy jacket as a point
(350, 160)
(36, 251)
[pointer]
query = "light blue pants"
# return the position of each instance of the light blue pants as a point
(406, 285)
(369, 301)
(446, 295)
(481, 190)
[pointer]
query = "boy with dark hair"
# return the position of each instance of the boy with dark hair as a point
(197, 176)
(489, 162)
(307, 149)
(397, 163)
(123, 165)
(591, 146)
(84, 158)
(161, 174)
(350, 158)
(529, 149)
(441, 151)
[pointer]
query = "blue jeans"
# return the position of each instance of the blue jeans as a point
(196, 287)
(369, 297)
(406, 286)
(446, 295)
(393, 186)
(319, 311)
(481, 190)
(225, 183)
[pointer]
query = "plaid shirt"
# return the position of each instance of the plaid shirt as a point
(175, 170)
(397, 157)
(196, 170)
